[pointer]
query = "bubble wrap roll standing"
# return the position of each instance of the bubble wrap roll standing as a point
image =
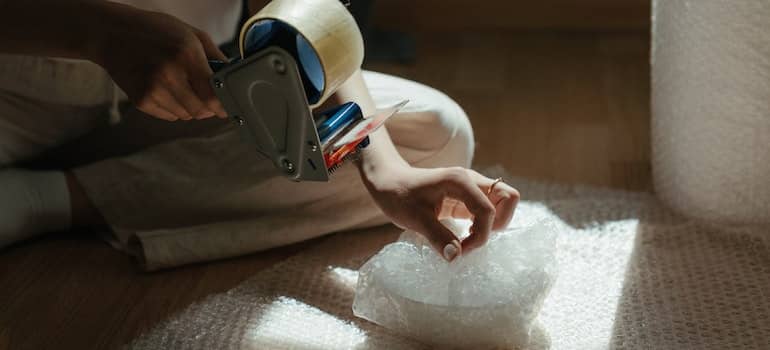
(711, 108)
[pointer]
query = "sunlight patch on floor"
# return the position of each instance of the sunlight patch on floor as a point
(288, 323)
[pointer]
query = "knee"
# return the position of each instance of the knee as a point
(432, 130)
(446, 121)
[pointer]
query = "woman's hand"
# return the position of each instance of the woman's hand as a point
(415, 198)
(158, 60)
(161, 63)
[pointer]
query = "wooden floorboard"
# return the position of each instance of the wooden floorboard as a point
(561, 107)
(570, 108)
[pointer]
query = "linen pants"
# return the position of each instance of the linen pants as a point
(208, 195)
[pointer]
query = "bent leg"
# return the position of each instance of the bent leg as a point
(45, 102)
(42, 106)
(432, 130)
(209, 197)
(29, 127)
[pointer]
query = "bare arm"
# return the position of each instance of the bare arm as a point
(382, 153)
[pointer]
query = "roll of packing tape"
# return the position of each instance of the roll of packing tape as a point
(711, 108)
(321, 34)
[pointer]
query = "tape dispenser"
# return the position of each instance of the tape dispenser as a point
(294, 55)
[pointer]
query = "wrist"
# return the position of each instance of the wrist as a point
(380, 159)
(376, 168)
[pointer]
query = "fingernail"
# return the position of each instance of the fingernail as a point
(451, 250)
(204, 114)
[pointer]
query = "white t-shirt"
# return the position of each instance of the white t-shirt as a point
(218, 18)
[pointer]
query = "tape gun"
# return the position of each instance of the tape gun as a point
(294, 54)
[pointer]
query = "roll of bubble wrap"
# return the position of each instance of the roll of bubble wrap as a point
(711, 108)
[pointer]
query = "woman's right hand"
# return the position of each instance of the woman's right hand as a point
(161, 63)
(416, 199)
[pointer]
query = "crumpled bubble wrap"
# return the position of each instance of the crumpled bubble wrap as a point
(488, 298)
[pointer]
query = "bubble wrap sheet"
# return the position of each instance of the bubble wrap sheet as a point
(631, 276)
(485, 299)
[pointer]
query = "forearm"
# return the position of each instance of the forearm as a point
(381, 152)
(72, 28)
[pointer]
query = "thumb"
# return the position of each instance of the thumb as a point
(443, 240)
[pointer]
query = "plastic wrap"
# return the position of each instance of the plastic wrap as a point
(487, 298)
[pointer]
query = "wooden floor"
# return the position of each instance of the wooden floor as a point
(562, 107)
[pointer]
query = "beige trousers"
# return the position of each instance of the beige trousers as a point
(209, 195)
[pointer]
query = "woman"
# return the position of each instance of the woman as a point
(208, 195)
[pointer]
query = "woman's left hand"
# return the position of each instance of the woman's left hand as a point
(416, 198)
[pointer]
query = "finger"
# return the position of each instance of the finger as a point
(503, 196)
(201, 72)
(453, 208)
(462, 187)
(184, 93)
(153, 109)
(442, 239)
(202, 88)
(164, 99)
